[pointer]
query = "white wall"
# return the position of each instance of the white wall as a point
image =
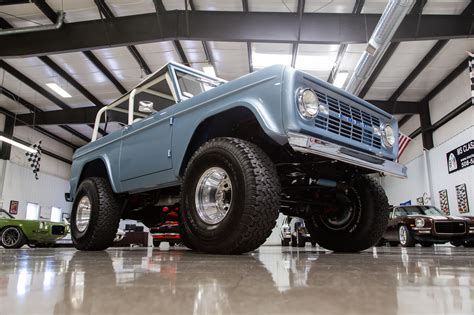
(17, 178)
(20, 185)
(451, 135)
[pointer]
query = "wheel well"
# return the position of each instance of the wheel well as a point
(238, 122)
(95, 168)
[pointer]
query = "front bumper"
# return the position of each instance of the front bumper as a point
(307, 144)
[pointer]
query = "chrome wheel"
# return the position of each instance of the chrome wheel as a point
(83, 213)
(213, 196)
(402, 233)
(10, 237)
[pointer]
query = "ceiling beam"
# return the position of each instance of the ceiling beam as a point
(447, 80)
(418, 69)
(378, 69)
(105, 10)
(245, 8)
(36, 87)
(300, 12)
(69, 79)
(99, 65)
(52, 16)
(73, 116)
(87, 115)
(45, 151)
(228, 26)
(415, 12)
(39, 129)
(409, 108)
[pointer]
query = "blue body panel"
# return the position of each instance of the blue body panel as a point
(149, 153)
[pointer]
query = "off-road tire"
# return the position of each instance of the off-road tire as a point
(105, 215)
(410, 241)
(367, 226)
(255, 200)
(20, 241)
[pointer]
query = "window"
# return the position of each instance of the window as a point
(192, 85)
(32, 211)
(56, 214)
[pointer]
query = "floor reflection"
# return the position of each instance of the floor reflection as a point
(272, 280)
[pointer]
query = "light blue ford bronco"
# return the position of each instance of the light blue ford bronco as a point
(231, 156)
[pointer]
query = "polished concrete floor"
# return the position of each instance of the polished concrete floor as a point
(273, 280)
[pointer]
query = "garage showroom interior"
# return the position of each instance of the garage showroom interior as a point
(236, 156)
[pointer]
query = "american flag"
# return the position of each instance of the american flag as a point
(402, 144)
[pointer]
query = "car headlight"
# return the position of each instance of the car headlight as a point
(308, 104)
(419, 222)
(388, 136)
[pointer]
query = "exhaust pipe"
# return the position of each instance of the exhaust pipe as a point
(29, 29)
(388, 24)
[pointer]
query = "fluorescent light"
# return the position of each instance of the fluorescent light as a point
(265, 60)
(209, 70)
(340, 79)
(17, 144)
(314, 62)
(59, 90)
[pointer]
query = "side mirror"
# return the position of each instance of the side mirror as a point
(146, 107)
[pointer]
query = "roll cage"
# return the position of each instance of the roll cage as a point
(171, 84)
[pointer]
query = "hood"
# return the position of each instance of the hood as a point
(442, 217)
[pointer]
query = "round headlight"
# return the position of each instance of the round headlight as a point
(308, 104)
(388, 136)
(419, 222)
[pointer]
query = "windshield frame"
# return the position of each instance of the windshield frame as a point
(8, 214)
(193, 72)
(421, 211)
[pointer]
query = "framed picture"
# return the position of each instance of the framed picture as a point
(461, 194)
(443, 201)
(14, 207)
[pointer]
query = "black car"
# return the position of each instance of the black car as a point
(427, 225)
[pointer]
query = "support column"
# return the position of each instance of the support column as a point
(426, 127)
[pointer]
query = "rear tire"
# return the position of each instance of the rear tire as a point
(99, 231)
(12, 237)
(363, 222)
(247, 197)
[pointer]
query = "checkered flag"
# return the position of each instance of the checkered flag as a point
(35, 158)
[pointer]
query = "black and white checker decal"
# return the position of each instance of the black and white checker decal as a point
(34, 159)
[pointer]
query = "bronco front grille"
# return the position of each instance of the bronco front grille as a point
(348, 121)
(455, 227)
(57, 230)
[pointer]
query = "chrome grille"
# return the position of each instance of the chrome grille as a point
(348, 121)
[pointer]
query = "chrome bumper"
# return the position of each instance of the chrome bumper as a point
(308, 144)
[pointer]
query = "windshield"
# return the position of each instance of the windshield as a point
(5, 215)
(417, 210)
(193, 84)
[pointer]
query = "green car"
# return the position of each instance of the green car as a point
(15, 233)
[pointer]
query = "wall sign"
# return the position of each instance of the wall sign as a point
(13, 207)
(443, 201)
(461, 194)
(461, 157)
